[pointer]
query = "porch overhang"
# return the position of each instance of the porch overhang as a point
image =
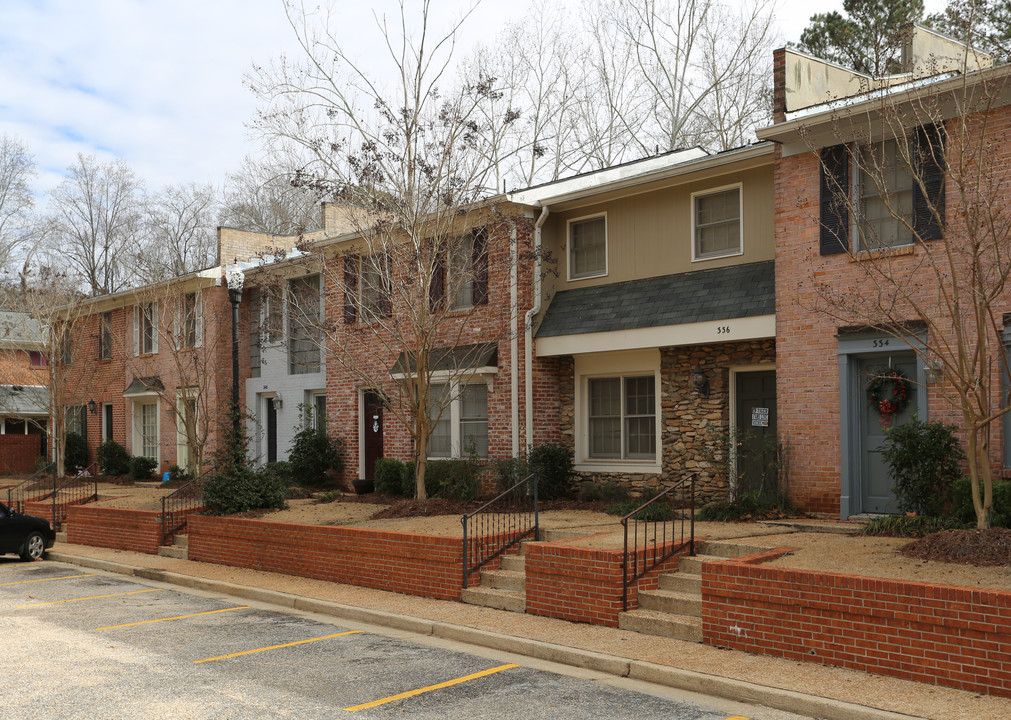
(145, 386)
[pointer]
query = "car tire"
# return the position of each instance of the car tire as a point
(34, 547)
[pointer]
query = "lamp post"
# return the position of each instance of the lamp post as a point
(235, 277)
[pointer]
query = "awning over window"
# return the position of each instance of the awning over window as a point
(145, 386)
(461, 357)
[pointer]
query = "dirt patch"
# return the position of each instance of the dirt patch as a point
(970, 547)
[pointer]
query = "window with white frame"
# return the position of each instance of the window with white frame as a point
(884, 193)
(374, 287)
(146, 429)
(461, 272)
(716, 222)
(304, 325)
(146, 329)
(622, 417)
(106, 421)
(254, 332)
(588, 247)
(105, 336)
(273, 313)
(462, 429)
(190, 321)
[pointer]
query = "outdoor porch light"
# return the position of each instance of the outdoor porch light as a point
(700, 381)
(92, 407)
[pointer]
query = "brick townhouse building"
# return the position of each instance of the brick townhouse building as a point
(870, 197)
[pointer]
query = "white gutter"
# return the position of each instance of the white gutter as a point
(528, 326)
(514, 343)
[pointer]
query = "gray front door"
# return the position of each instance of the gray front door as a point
(875, 483)
(755, 421)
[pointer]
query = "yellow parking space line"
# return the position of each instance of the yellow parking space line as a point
(419, 691)
(275, 647)
(93, 597)
(64, 577)
(739, 717)
(177, 617)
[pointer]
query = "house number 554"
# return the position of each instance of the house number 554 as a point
(722, 329)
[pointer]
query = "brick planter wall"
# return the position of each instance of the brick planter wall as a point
(941, 634)
(581, 584)
(410, 563)
(18, 453)
(117, 528)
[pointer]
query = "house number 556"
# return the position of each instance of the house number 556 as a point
(722, 329)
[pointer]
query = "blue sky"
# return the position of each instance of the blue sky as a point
(159, 82)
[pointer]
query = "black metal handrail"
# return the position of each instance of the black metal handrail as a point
(499, 524)
(178, 504)
(657, 543)
(74, 491)
(34, 484)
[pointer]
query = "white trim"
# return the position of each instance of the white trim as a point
(361, 430)
(734, 371)
(740, 220)
(456, 385)
(137, 421)
(182, 442)
(448, 375)
(700, 333)
(107, 431)
(568, 247)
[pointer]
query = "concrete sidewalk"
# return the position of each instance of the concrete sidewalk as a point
(806, 689)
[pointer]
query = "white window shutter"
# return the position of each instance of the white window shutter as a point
(136, 329)
(199, 321)
(154, 327)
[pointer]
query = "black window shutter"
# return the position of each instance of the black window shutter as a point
(350, 289)
(835, 216)
(928, 183)
(437, 288)
(480, 265)
(385, 308)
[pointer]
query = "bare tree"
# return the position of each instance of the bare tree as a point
(264, 196)
(179, 232)
(412, 162)
(17, 168)
(97, 213)
(935, 181)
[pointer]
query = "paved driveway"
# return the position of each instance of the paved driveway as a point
(81, 644)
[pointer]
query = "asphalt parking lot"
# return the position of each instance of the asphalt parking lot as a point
(83, 644)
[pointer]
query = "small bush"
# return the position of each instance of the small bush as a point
(113, 458)
(454, 479)
(313, 454)
(725, 510)
(75, 452)
(606, 492)
(554, 465)
(924, 460)
(42, 464)
(141, 467)
(329, 496)
(242, 490)
(391, 477)
(509, 471)
(657, 512)
(280, 470)
(915, 526)
(962, 502)
(179, 474)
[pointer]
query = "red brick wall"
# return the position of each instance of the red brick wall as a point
(955, 636)
(410, 563)
(18, 453)
(582, 584)
(118, 528)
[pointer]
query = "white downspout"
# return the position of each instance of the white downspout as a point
(514, 343)
(528, 326)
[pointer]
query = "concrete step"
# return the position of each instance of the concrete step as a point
(494, 598)
(681, 583)
(504, 580)
(559, 534)
(172, 551)
(513, 563)
(61, 536)
(693, 564)
(728, 549)
(181, 540)
(652, 622)
(666, 601)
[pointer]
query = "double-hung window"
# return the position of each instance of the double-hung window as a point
(147, 430)
(883, 188)
(190, 321)
(588, 247)
(105, 336)
(304, 325)
(716, 223)
(622, 417)
(146, 329)
(462, 428)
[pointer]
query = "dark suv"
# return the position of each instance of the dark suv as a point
(26, 535)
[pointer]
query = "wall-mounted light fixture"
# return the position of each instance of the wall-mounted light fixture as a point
(277, 401)
(700, 381)
(92, 407)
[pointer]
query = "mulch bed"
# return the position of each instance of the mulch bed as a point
(402, 508)
(968, 547)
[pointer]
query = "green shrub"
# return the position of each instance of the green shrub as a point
(725, 510)
(915, 526)
(280, 470)
(141, 467)
(962, 502)
(243, 489)
(657, 512)
(391, 477)
(313, 454)
(179, 474)
(606, 491)
(923, 459)
(454, 479)
(554, 465)
(75, 452)
(508, 472)
(113, 458)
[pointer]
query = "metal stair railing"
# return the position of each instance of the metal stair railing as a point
(34, 487)
(178, 504)
(499, 524)
(660, 539)
(77, 490)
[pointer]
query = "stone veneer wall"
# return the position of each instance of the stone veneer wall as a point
(690, 423)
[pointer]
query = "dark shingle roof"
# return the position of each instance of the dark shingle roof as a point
(719, 294)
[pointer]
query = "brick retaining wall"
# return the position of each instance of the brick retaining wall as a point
(938, 634)
(117, 528)
(18, 453)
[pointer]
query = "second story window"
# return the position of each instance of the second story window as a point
(145, 336)
(304, 325)
(588, 247)
(254, 331)
(190, 321)
(105, 336)
(461, 272)
(716, 223)
(37, 359)
(367, 288)
(884, 195)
